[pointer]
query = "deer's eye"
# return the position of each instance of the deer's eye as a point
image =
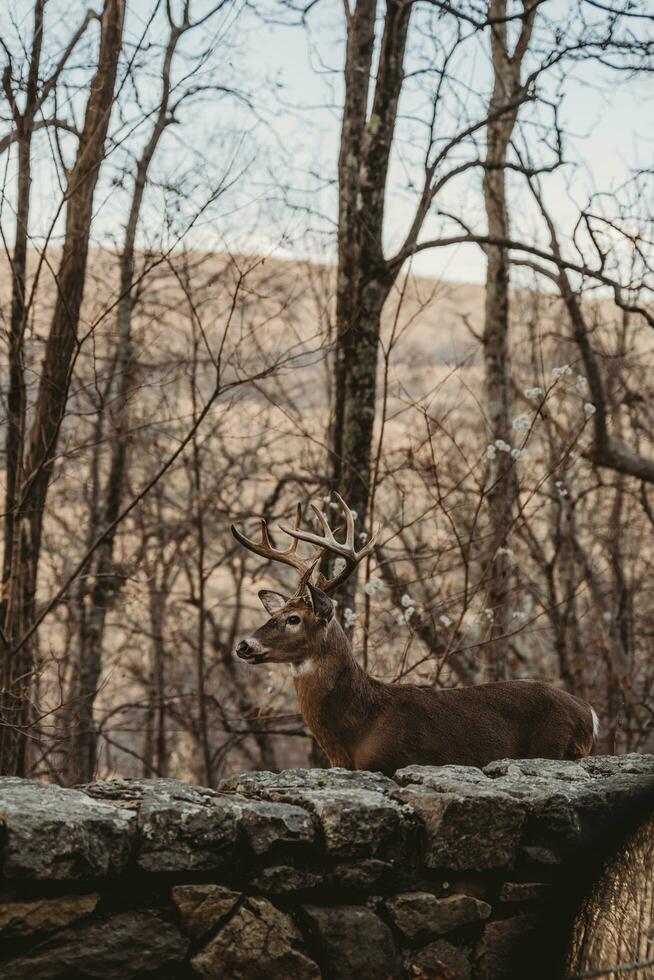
(293, 621)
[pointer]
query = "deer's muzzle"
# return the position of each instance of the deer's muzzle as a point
(251, 651)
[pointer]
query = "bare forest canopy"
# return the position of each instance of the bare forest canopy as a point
(159, 383)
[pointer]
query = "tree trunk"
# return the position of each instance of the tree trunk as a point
(49, 411)
(363, 280)
(101, 573)
(502, 493)
(615, 924)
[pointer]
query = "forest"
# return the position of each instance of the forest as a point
(390, 263)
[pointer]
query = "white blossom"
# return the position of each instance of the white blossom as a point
(409, 613)
(589, 409)
(560, 486)
(373, 586)
(503, 447)
(562, 371)
(518, 453)
(406, 600)
(519, 614)
(606, 617)
(581, 384)
(491, 452)
(505, 551)
(363, 537)
(488, 613)
(533, 393)
(327, 499)
(521, 423)
(349, 616)
(354, 514)
(445, 620)
(339, 565)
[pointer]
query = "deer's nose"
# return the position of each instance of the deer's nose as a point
(243, 648)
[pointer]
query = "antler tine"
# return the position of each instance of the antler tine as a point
(322, 520)
(324, 542)
(265, 537)
(327, 542)
(349, 522)
(265, 549)
(306, 575)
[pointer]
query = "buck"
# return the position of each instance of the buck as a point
(363, 723)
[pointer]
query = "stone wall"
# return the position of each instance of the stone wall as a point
(438, 873)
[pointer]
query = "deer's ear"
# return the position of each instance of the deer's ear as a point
(272, 602)
(320, 602)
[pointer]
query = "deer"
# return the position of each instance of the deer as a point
(364, 723)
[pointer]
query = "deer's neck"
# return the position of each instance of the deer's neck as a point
(335, 695)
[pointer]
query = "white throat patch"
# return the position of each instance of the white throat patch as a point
(305, 667)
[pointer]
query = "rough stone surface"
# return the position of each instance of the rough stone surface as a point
(365, 874)
(266, 823)
(438, 961)
(201, 907)
(525, 891)
(122, 946)
(504, 948)
(469, 822)
(264, 784)
(356, 811)
(537, 854)
(44, 915)
(258, 943)
(282, 879)
(439, 873)
(85, 838)
(353, 942)
(419, 915)
(566, 801)
(180, 827)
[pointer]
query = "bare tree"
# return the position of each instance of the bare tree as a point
(100, 579)
(34, 457)
(509, 88)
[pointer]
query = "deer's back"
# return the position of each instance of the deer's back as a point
(473, 726)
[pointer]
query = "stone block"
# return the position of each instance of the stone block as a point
(61, 834)
(352, 942)
(125, 946)
(419, 915)
(257, 943)
(438, 961)
(201, 907)
(18, 919)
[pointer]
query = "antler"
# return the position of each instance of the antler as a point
(325, 543)
(328, 543)
(265, 549)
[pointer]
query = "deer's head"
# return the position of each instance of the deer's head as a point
(294, 629)
(297, 624)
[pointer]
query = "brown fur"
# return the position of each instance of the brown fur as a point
(363, 723)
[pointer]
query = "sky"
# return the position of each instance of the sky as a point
(609, 120)
(275, 159)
